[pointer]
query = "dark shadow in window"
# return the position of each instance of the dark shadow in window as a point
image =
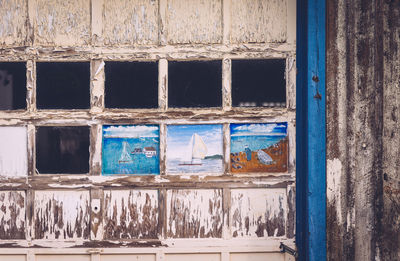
(194, 84)
(63, 85)
(62, 150)
(258, 83)
(12, 85)
(131, 85)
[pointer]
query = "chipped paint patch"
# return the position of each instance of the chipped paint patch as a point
(194, 213)
(62, 215)
(333, 178)
(13, 21)
(62, 22)
(131, 214)
(259, 21)
(195, 21)
(128, 22)
(12, 215)
(258, 212)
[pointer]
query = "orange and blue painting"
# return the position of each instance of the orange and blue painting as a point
(259, 147)
(131, 149)
(194, 148)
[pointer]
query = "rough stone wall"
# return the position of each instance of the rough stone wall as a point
(363, 80)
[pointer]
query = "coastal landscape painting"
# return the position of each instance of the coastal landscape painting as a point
(261, 147)
(131, 149)
(194, 149)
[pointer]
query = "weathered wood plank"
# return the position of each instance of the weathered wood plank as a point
(131, 214)
(194, 213)
(259, 21)
(390, 229)
(258, 212)
(13, 22)
(62, 215)
(129, 22)
(194, 21)
(13, 152)
(12, 215)
(62, 22)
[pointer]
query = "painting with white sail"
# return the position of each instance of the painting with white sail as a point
(194, 148)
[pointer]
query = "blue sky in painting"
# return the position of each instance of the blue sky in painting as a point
(178, 138)
(259, 129)
(126, 131)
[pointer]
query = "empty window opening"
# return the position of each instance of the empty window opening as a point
(258, 83)
(62, 150)
(63, 85)
(194, 84)
(12, 85)
(131, 85)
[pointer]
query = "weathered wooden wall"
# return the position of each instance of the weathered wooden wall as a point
(363, 81)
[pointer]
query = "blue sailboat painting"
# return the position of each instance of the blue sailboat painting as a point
(194, 148)
(130, 149)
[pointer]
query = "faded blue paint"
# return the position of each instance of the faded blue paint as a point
(311, 131)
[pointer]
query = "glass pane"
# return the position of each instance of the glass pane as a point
(131, 85)
(62, 150)
(12, 85)
(63, 85)
(195, 84)
(258, 83)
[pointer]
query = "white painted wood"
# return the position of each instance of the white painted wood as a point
(62, 215)
(13, 152)
(13, 17)
(63, 257)
(257, 257)
(194, 21)
(259, 21)
(127, 257)
(193, 257)
(130, 22)
(13, 257)
(291, 21)
(258, 213)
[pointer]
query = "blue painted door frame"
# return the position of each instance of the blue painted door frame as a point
(310, 131)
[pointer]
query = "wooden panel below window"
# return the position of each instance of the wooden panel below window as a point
(131, 214)
(62, 215)
(258, 212)
(12, 215)
(194, 213)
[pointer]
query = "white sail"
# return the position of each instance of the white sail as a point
(125, 157)
(199, 150)
(187, 157)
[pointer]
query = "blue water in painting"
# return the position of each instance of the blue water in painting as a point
(255, 142)
(139, 163)
(207, 166)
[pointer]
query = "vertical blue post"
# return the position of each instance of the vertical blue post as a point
(311, 131)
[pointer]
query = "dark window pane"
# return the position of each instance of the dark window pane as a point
(62, 150)
(131, 85)
(63, 85)
(195, 84)
(12, 85)
(258, 82)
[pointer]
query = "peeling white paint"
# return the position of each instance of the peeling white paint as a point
(13, 152)
(62, 215)
(194, 213)
(333, 179)
(258, 212)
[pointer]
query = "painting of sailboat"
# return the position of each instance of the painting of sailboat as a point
(194, 148)
(130, 149)
(259, 147)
